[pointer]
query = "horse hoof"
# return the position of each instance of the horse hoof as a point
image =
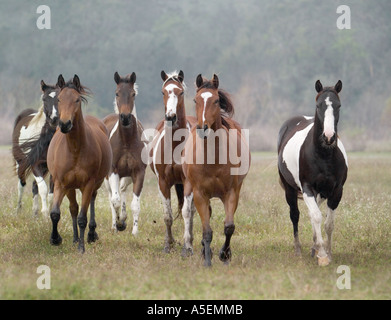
(207, 264)
(225, 256)
(92, 237)
(56, 241)
(81, 248)
(186, 252)
(323, 261)
(121, 226)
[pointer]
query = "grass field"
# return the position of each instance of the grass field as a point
(120, 266)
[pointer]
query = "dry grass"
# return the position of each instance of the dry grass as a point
(120, 266)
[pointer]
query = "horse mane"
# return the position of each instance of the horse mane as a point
(38, 116)
(174, 75)
(82, 90)
(225, 101)
(327, 89)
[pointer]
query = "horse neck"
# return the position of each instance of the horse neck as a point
(77, 138)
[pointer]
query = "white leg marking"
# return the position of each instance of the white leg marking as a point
(35, 205)
(114, 187)
(114, 214)
(187, 213)
(316, 221)
(43, 193)
(135, 206)
(20, 194)
(124, 182)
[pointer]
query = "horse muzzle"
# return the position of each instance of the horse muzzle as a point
(65, 127)
(203, 132)
(125, 119)
(329, 141)
(171, 120)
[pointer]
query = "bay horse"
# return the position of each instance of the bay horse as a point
(79, 157)
(166, 166)
(31, 135)
(313, 165)
(217, 177)
(126, 143)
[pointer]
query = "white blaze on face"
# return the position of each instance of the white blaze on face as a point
(54, 113)
(205, 96)
(328, 125)
(172, 101)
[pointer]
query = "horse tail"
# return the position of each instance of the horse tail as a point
(35, 151)
(180, 194)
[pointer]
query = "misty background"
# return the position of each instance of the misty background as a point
(267, 54)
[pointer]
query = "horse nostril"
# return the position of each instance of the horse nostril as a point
(205, 127)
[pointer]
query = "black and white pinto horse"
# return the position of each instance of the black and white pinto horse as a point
(32, 133)
(312, 163)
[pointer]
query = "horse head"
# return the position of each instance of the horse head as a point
(50, 103)
(125, 94)
(173, 96)
(327, 112)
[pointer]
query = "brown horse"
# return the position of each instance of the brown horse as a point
(79, 157)
(208, 171)
(125, 139)
(171, 133)
(32, 133)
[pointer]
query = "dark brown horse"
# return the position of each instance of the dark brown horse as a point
(79, 157)
(171, 133)
(125, 139)
(32, 133)
(209, 171)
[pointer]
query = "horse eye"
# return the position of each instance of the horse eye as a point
(217, 101)
(116, 94)
(194, 101)
(163, 93)
(182, 93)
(133, 94)
(78, 100)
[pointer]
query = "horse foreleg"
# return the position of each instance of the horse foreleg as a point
(43, 193)
(230, 206)
(123, 185)
(74, 209)
(55, 238)
(165, 195)
(316, 221)
(114, 213)
(188, 214)
(21, 185)
(87, 193)
(135, 206)
(35, 198)
(92, 235)
(203, 207)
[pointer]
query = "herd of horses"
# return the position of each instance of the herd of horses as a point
(81, 152)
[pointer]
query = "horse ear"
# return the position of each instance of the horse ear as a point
(43, 86)
(181, 76)
(60, 81)
(76, 81)
(133, 78)
(338, 86)
(163, 75)
(117, 78)
(215, 81)
(199, 80)
(318, 86)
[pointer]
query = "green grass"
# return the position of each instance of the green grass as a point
(120, 266)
